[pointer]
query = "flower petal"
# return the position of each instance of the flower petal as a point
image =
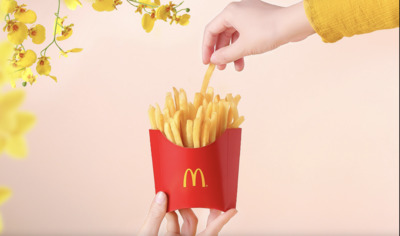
(148, 22)
(53, 77)
(16, 147)
(43, 66)
(25, 122)
(38, 34)
(28, 58)
(66, 33)
(103, 5)
(184, 19)
(18, 34)
(27, 17)
(5, 194)
(72, 4)
(162, 13)
(7, 6)
(11, 100)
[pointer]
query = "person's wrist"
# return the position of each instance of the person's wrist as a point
(296, 26)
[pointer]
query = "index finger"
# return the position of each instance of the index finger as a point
(218, 25)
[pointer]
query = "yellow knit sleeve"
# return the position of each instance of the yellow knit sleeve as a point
(335, 19)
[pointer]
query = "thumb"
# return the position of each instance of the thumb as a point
(229, 53)
(156, 215)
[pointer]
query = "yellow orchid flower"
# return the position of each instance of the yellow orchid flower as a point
(148, 21)
(26, 58)
(38, 34)
(74, 50)
(116, 3)
(5, 194)
(43, 67)
(146, 4)
(14, 124)
(25, 16)
(17, 31)
(140, 9)
(72, 4)
(163, 12)
(60, 22)
(28, 76)
(6, 49)
(66, 32)
(103, 5)
(7, 6)
(184, 19)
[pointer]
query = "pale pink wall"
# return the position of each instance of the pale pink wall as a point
(320, 141)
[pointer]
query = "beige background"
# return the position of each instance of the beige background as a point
(320, 141)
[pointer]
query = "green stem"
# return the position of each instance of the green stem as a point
(178, 5)
(141, 3)
(58, 46)
(7, 17)
(131, 3)
(43, 52)
(184, 9)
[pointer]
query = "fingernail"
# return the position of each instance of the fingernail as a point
(160, 198)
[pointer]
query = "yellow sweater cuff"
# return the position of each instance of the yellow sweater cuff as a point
(335, 19)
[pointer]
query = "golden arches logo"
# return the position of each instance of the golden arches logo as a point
(194, 174)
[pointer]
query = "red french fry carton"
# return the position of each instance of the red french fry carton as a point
(204, 177)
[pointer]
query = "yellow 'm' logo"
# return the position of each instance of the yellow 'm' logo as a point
(203, 181)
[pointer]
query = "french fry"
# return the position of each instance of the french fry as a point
(224, 117)
(237, 99)
(183, 103)
(230, 114)
(166, 114)
(199, 114)
(196, 132)
(209, 110)
(192, 111)
(235, 112)
(159, 119)
(176, 97)
(189, 133)
(168, 132)
(221, 110)
(213, 127)
(217, 98)
(183, 131)
(207, 77)
(229, 98)
(210, 94)
(205, 134)
(198, 100)
(177, 119)
(238, 122)
(169, 103)
(204, 104)
(152, 117)
(176, 133)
